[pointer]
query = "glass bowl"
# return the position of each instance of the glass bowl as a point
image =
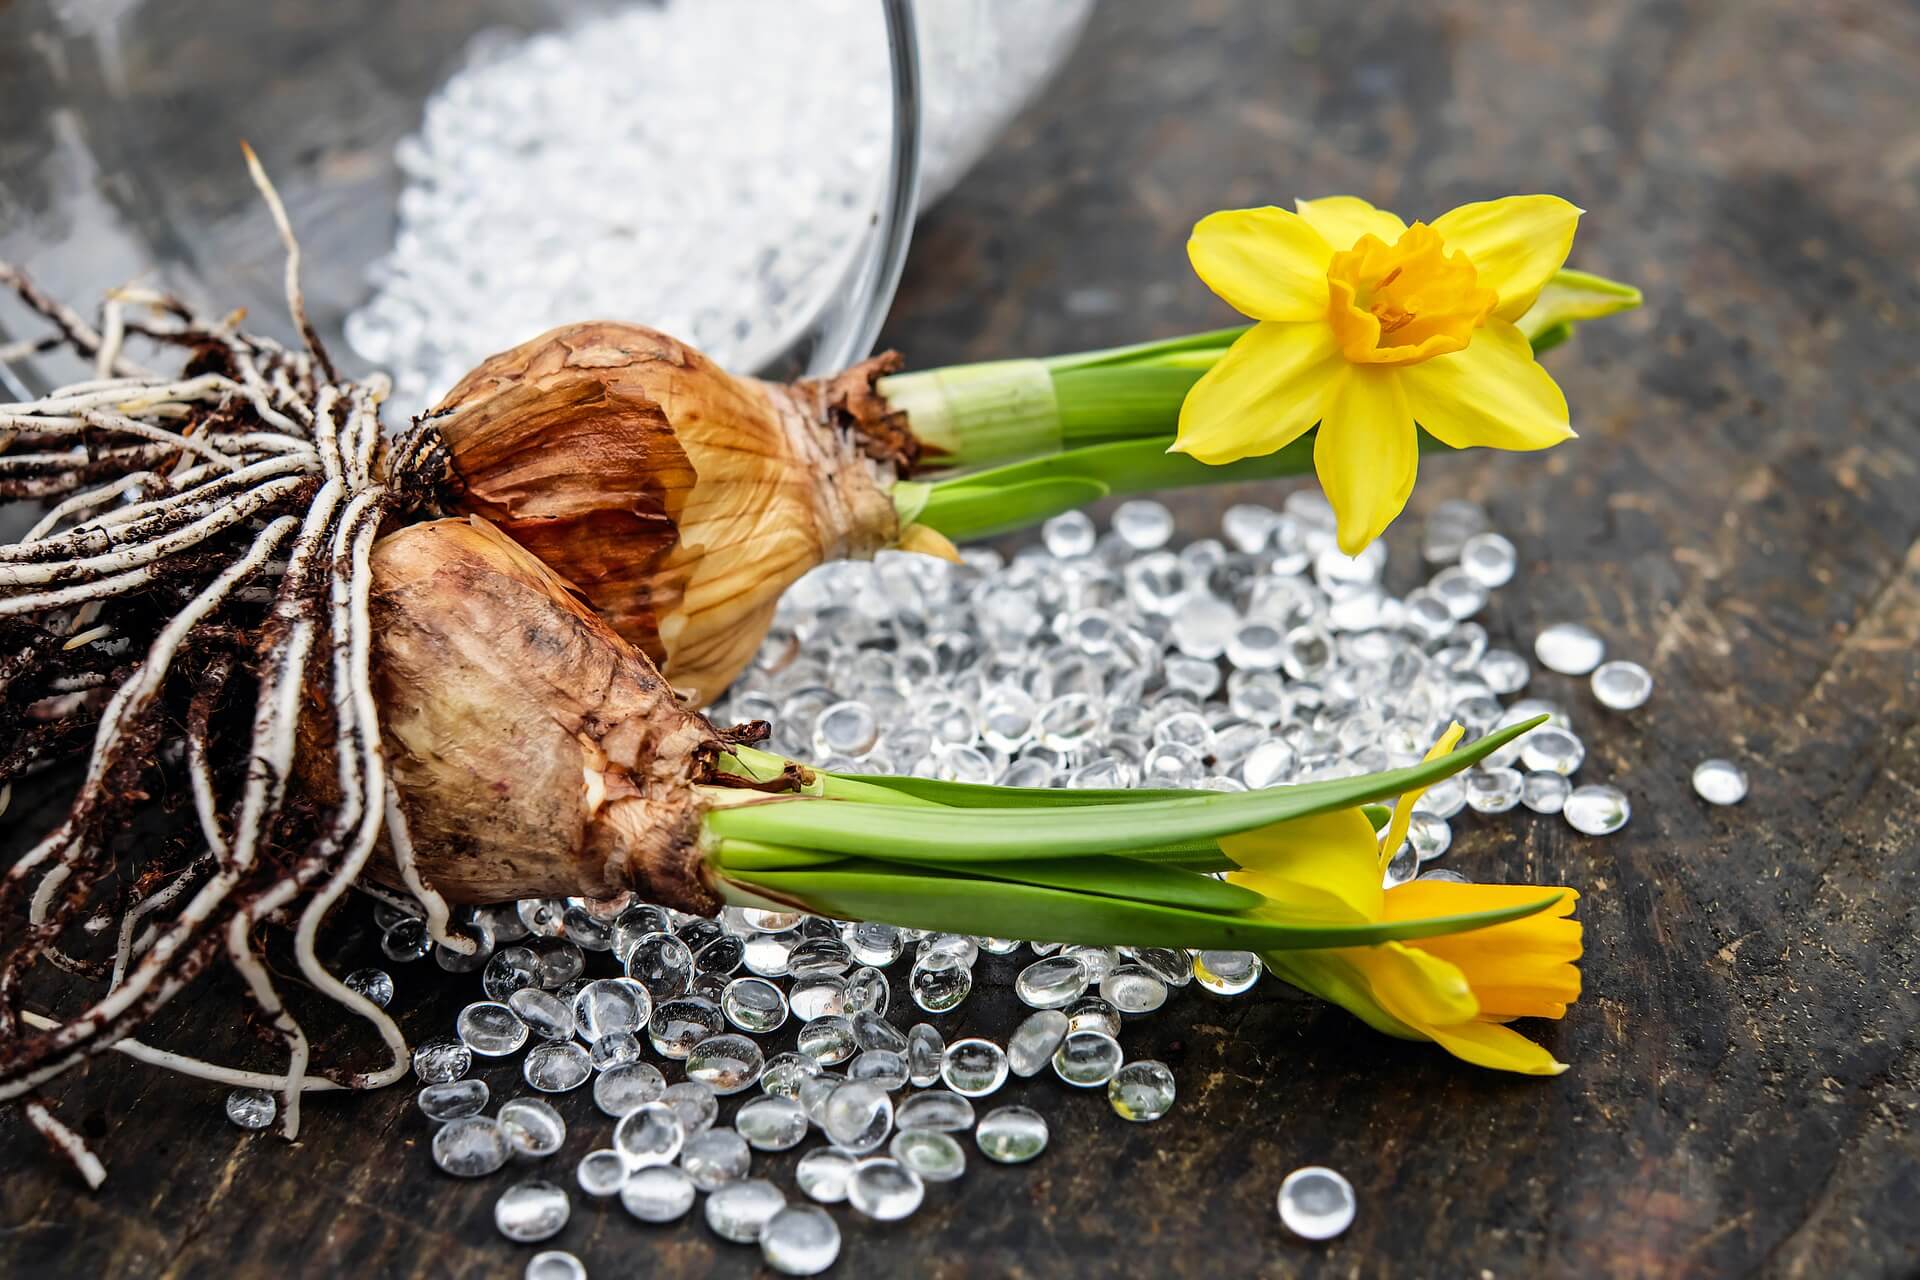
(464, 173)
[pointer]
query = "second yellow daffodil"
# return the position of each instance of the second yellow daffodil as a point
(1367, 326)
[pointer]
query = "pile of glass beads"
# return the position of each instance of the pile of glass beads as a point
(1090, 660)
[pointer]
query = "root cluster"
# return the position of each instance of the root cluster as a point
(192, 601)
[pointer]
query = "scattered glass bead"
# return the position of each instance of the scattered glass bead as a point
(695, 1103)
(885, 1190)
(754, 1005)
(251, 1108)
(1446, 797)
(657, 1193)
(1429, 834)
(1087, 1059)
(940, 984)
(1143, 525)
(453, 1100)
(741, 1210)
(1032, 1043)
(438, 1061)
(1493, 790)
(823, 1174)
(681, 1023)
(974, 1067)
(828, 1040)
(490, 1029)
(531, 1211)
(715, 1158)
(1171, 965)
(1621, 686)
(1093, 1014)
(661, 963)
(375, 984)
(726, 1063)
(456, 960)
(622, 1090)
(1597, 810)
(925, 1049)
(1011, 1135)
(867, 991)
(471, 1147)
(872, 1032)
(1052, 982)
(1720, 781)
(800, 1240)
(932, 1154)
(406, 941)
(1504, 671)
(556, 1066)
(617, 1050)
(846, 729)
(1316, 1203)
(543, 917)
(1571, 648)
(560, 962)
(857, 1116)
(651, 1134)
(938, 1109)
(771, 1123)
(786, 1072)
(1227, 973)
(1133, 988)
(883, 1067)
(1553, 750)
(1489, 559)
(819, 958)
(532, 1126)
(875, 944)
(1141, 1091)
(555, 1264)
(546, 1015)
(601, 1173)
(611, 1006)
(1402, 867)
(820, 996)
(1545, 791)
(1068, 535)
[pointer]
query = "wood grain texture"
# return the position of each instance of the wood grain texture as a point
(1739, 515)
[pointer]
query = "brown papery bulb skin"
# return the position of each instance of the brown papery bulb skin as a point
(535, 752)
(681, 500)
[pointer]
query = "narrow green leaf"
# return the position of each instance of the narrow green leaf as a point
(882, 830)
(961, 904)
(1120, 878)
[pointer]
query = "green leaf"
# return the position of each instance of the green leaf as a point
(965, 904)
(882, 830)
(1112, 877)
(963, 509)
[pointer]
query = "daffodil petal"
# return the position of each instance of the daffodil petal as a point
(1494, 394)
(1487, 1044)
(1323, 862)
(1403, 807)
(1416, 987)
(1572, 296)
(1341, 220)
(1515, 243)
(1366, 455)
(1268, 263)
(1267, 391)
(1334, 978)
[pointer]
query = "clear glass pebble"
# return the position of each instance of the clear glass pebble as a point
(658, 1193)
(938, 1109)
(829, 1040)
(715, 1158)
(786, 1072)
(695, 1103)
(857, 1116)
(846, 729)
(883, 1067)
(1429, 833)
(1227, 973)
(1093, 1014)
(1402, 867)
(651, 1134)
(620, 1049)
(1504, 671)
(661, 963)
(1142, 524)
(560, 962)
(533, 1127)
(456, 960)
(681, 1023)
(601, 1173)
(1553, 750)
(741, 1210)
(1447, 797)
(1621, 686)
(438, 1061)
(531, 1211)
(1493, 790)
(1011, 1135)
(874, 944)
(610, 1006)
(1141, 1091)
(871, 1032)
(1068, 535)
(375, 984)
(823, 1173)
(1030, 1047)
(1316, 1203)
(817, 997)
(1571, 648)
(1720, 781)
(1133, 988)
(771, 1123)
(546, 1015)
(800, 1240)
(1087, 1059)
(1489, 559)
(406, 941)
(925, 1048)
(556, 1067)
(1052, 982)
(867, 992)
(726, 1063)
(251, 1108)
(471, 1147)
(453, 1099)
(974, 1067)
(1545, 791)
(940, 984)
(508, 970)
(490, 1029)
(555, 1264)
(1597, 810)
(622, 1090)
(754, 1005)
(932, 1154)
(885, 1190)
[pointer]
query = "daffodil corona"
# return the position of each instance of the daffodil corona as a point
(1455, 990)
(1365, 326)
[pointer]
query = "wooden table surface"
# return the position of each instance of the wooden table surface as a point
(1739, 515)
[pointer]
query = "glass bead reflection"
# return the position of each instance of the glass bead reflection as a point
(251, 1108)
(601, 1173)
(715, 1158)
(531, 1211)
(554, 1264)
(771, 1123)
(1545, 791)
(1621, 685)
(974, 1067)
(1141, 1091)
(1087, 1059)
(556, 1067)
(885, 1190)
(471, 1147)
(658, 1193)
(490, 1029)
(453, 1099)
(823, 1173)
(725, 1063)
(1597, 810)
(1011, 1135)
(1227, 973)
(932, 1154)
(740, 1211)
(1316, 1203)
(622, 1090)
(651, 1134)
(1720, 782)
(375, 984)
(1570, 648)
(800, 1240)
(1032, 1043)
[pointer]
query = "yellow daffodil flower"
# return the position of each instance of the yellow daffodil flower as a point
(1455, 990)
(1367, 326)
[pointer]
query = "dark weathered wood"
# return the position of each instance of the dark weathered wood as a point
(1739, 515)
